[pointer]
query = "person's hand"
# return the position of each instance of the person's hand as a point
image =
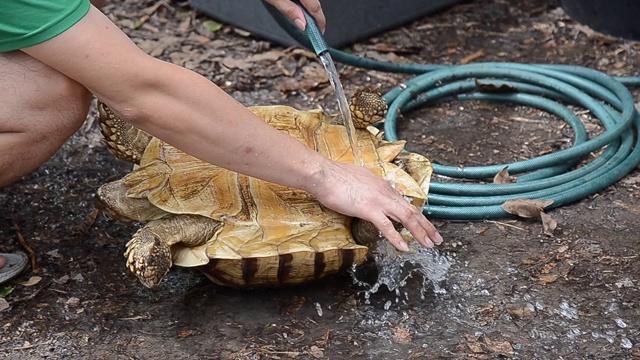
(356, 191)
(294, 13)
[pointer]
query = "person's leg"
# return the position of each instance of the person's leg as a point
(12, 265)
(39, 109)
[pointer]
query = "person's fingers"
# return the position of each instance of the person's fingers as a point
(409, 218)
(315, 9)
(413, 220)
(388, 231)
(294, 13)
(291, 11)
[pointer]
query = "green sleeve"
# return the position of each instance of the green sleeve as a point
(25, 23)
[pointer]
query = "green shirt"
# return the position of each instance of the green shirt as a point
(25, 23)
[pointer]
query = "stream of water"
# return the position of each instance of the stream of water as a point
(393, 268)
(343, 105)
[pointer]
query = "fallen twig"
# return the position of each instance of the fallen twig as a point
(23, 242)
(505, 224)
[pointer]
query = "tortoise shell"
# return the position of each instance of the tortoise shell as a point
(270, 235)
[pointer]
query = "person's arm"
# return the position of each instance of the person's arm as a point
(191, 113)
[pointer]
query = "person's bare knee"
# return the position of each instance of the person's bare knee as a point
(40, 109)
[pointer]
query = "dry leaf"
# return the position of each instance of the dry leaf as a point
(527, 208)
(520, 311)
(185, 333)
(500, 347)
(401, 335)
(32, 281)
(315, 352)
(548, 224)
(287, 66)
(63, 280)
(475, 347)
(73, 301)
(185, 25)
(631, 180)
(547, 279)
(4, 305)
(503, 177)
(272, 55)
(548, 267)
(293, 306)
(306, 53)
(387, 56)
(235, 63)
(312, 76)
(381, 47)
(629, 207)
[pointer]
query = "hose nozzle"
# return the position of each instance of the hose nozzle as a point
(311, 37)
(313, 32)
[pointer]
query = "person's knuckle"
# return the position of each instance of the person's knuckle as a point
(312, 5)
(386, 224)
(406, 214)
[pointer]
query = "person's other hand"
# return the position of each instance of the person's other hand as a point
(294, 13)
(358, 192)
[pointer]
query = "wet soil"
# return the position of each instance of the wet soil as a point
(511, 291)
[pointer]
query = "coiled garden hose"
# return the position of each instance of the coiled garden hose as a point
(552, 88)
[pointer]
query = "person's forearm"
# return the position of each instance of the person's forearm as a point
(191, 113)
(177, 105)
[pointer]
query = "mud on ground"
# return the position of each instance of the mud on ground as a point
(512, 292)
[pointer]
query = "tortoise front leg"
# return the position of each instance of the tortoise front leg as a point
(149, 250)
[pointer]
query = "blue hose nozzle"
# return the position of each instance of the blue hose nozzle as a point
(313, 32)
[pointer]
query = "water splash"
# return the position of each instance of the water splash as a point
(343, 105)
(395, 268)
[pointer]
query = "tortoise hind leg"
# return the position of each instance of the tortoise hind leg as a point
(124, 140)
(148, 252)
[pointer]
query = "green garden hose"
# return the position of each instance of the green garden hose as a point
(551, 88)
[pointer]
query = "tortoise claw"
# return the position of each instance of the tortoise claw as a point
(148, 257)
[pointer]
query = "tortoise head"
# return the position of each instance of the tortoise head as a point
(367, 108)
(148, 257)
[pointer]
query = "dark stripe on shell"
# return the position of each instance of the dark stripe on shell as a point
(284, 268)
(217, 276)
(348, 257)
(249, 269)
(319, 265)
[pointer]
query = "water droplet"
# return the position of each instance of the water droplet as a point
(568, 310)
(395, 269)
(625, 343)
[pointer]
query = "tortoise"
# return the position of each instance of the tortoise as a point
(241, 231)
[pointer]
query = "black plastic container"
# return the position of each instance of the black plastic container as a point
(613, 17)
(347, 20)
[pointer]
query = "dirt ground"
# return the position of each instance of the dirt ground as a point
(511, 291)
